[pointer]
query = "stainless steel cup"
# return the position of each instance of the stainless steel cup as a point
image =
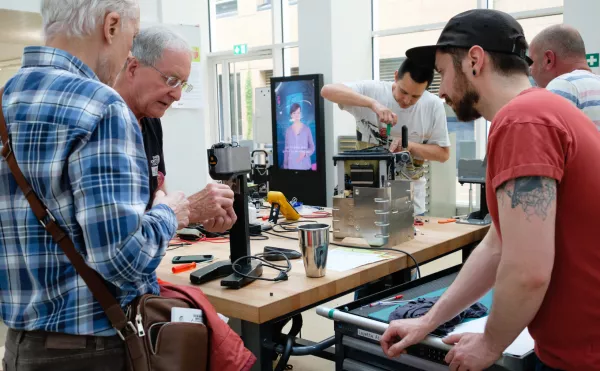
(314, 244)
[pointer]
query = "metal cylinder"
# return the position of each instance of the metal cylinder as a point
(314, 244)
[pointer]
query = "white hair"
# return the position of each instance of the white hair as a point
(150, 44)
(79, 18)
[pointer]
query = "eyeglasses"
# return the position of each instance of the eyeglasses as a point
(174, 82)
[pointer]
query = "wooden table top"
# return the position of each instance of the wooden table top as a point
(262, 301)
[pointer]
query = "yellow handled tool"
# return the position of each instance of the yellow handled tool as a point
(274, 197)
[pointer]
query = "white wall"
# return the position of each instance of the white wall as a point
(6, 74)
(334, 38)
(583, 15)
(21, 5)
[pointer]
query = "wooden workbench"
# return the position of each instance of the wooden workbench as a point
(262, 303)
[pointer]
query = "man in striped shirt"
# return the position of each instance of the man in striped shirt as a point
(560, 65)
(81, 149)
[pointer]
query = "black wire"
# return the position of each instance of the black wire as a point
(384, 249)
(258, 237)
(282, 269)
(279, 235)
(293, 229)
(364, 248)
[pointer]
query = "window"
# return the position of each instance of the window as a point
(390, 14)
(244, 78)
(225, 8)
(240, 22)
(291, 62)
(290, 20)
(389, 51)
(513, 6)
(272, 51)
(399, 25)
(532, 26)
(263, 4)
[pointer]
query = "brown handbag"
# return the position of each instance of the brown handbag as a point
(153, 342)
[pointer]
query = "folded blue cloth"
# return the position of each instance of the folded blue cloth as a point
(419, 307)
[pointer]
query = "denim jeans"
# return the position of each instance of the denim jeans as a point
(37, 351)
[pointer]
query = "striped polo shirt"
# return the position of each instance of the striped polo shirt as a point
(582, 88)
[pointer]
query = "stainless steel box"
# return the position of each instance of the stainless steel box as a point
(382, 216)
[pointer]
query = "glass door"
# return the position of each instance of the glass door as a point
(244, 78)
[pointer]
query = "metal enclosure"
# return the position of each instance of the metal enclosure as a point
(381, 216)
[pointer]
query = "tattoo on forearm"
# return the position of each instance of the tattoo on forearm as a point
(533, 194)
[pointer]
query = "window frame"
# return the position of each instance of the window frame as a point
(230, 13)
(266, 5)
(275, 51)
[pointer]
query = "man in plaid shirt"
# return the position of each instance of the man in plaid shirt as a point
(80, 147)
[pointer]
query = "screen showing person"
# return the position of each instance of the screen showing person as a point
(296, 125)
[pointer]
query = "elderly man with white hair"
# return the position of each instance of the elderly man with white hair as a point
(80, 148)
(154, 77)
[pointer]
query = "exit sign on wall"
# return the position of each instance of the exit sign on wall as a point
(240, 49)
(593, 60)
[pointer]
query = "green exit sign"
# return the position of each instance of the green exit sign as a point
(593, 60)
(240, 49)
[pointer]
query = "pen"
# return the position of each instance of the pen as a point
(446, 221)
(388, 303)
(183, 267)
(397, 297)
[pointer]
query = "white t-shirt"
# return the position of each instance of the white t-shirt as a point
(582, 88)
(426, 123)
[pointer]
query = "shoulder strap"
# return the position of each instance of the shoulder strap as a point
(92, 279)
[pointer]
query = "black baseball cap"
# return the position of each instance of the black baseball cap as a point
(493, 30)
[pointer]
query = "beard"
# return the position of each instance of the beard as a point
(464, 107)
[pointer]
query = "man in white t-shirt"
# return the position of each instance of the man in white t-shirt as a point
(374, 104)
(560, 65)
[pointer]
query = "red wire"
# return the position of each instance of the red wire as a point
(215, 239)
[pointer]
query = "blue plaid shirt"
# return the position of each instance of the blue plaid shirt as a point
(81, 149)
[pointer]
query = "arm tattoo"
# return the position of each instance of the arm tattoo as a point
(534, 194)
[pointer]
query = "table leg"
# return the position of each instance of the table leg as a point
(253, 335)
(339, 352)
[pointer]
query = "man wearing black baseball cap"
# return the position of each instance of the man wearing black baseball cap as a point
(541, 253)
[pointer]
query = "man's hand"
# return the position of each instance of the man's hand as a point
(473, 352)
(396, 145)
(210, 203)
(178, 203)
(383, 132)
(403, 333)
(220, 224)
(384, 114)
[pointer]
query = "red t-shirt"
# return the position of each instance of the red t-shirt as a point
(542, 134)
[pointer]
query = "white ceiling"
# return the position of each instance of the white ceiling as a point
(19, 29)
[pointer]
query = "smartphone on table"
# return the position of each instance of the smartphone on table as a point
(192, 259)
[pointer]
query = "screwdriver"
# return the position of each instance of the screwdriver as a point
(183, 267)
(388, 132)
